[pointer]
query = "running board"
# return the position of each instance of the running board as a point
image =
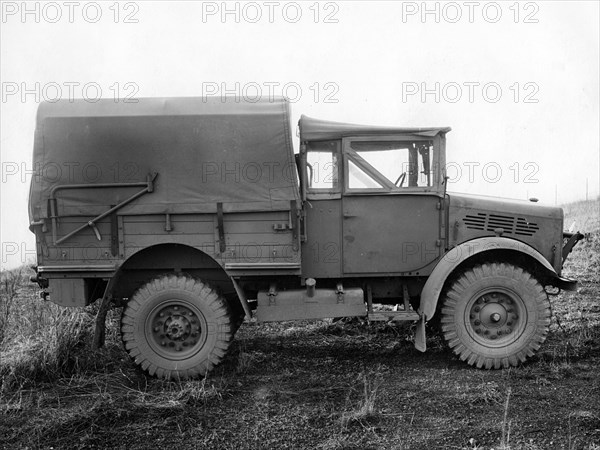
(392, 316)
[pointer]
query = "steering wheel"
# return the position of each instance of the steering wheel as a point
(401, 179)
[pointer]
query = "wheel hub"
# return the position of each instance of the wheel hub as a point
(175, 328)
(493, 315)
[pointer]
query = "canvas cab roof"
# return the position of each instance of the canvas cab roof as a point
(321, 130)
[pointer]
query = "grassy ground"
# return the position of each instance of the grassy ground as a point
(310, 385)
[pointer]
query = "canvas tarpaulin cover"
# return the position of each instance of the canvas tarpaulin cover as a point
(205, 151)
(322, 130)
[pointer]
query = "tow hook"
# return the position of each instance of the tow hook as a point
(40, 281)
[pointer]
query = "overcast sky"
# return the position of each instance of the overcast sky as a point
(517, 82)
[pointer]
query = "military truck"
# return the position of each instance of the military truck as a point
(194, 214)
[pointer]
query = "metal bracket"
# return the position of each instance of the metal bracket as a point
(243, 300)
(221, 227)
(294, 224)
(339, 290)
(96, 230)
(148, 187)
(272, 294)
(114, 234)
(405, 297)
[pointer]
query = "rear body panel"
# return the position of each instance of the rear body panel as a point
(214, 176)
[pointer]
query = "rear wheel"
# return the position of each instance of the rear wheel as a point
(176, 327)
(495, 315)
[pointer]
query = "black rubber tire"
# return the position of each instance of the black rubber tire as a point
(495, 315)
(176, 327)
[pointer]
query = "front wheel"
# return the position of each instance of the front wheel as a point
(495, 315)
(176, 327)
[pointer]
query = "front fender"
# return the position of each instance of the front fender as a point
(433, 287)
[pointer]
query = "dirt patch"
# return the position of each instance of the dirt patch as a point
(330, 386)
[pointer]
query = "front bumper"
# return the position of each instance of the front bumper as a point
(571, 239)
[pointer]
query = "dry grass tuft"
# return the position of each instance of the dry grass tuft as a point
(41, 341)
(371, 383)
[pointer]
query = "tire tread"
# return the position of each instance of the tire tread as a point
(456, 294)
(221, 315)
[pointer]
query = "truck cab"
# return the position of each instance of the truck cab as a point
(373, 199)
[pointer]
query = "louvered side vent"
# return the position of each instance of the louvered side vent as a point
(525, 228)
(475, 222)
(511, 225)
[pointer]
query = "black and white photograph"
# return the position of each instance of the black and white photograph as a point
(334, 225)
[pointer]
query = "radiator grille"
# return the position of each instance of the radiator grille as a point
(512, 225)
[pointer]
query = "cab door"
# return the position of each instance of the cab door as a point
(391, 210)
(321, 171)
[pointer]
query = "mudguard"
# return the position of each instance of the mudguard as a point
(433, 287)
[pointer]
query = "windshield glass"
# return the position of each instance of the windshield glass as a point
(389, 164)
